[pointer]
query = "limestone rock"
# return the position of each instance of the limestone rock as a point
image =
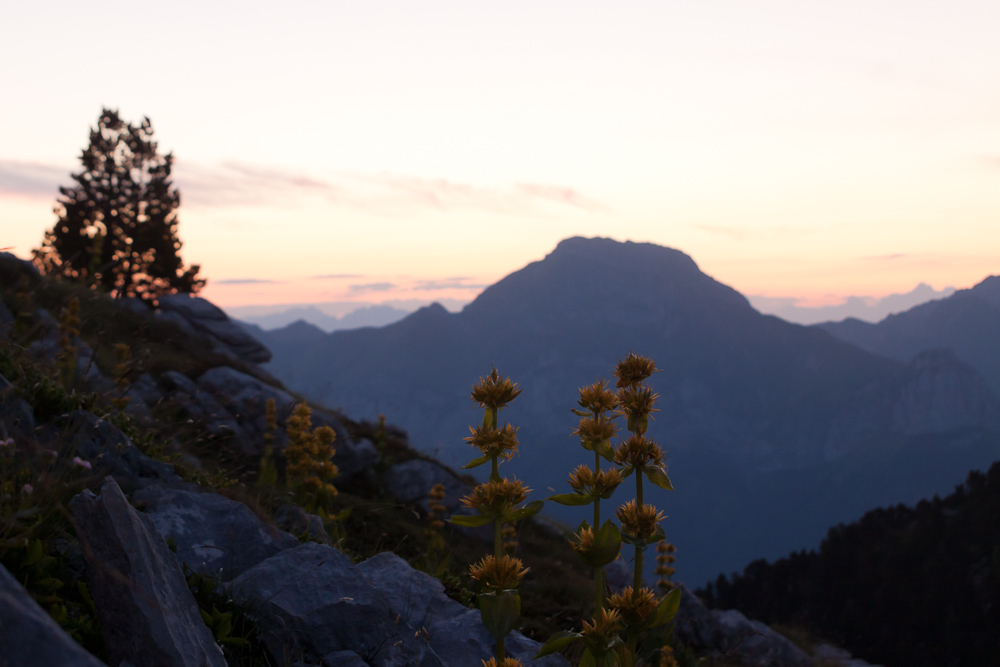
(297, 521)
(411, 481)
(201, 406)
(212, 534)
(108, 449)
(148, 615)
(456, 632)
(29, 636)
(732, 634)
(208, 319)
(313, 599)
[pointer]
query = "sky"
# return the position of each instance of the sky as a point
(401, 152)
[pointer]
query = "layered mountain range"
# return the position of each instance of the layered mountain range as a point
(775, 431)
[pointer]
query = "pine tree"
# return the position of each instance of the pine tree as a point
(117, 227)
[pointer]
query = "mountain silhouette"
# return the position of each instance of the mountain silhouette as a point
(967, 322)
(773, 430)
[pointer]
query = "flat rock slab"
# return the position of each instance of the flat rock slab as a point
(29, 636)
(213, 535)
(313, 600)
(148, 615)
(456, 632)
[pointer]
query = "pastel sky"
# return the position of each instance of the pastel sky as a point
(370, 151)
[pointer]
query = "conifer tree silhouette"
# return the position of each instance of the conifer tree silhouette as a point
(117, 227)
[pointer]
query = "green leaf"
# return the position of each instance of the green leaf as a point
(532, 508)
(571, 499)
(607, 544)
(342, 514)
(475, 463)
(588, 659)
(34, 553)
(235, 641)
(603, 447)
(658, 476)
(470, 520)
(500, 612)
(489, 418)
(205, 617)
(579, 413)
(667, 609)
(557, 642)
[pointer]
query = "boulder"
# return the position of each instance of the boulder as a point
(148, 616)
(12, 266)
(733, 635)
(109, 450)
(209, 319)
(297, 521)
(244, 395)
(17, 419)
(146, 388)
(201, 406)
(212, 534)
(456, 633)
(29, 636)
(313, 600)
(411, 481)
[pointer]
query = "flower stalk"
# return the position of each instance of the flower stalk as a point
(497, 501)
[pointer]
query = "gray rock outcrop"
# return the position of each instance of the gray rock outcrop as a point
(213, 535)
(297, 521)
(110, 450)
(208, 319)
(455, 632)
(148, 615)
(411, 481)
(313, 600)
(731, 634)
(29, 636)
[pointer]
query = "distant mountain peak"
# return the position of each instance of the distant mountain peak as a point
(607, 249)
(989, 290)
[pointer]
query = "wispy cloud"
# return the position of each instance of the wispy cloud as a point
(371, 287)
(238, 184)
(337, 276)
(446, 284)
(32, 179)
(244, 281)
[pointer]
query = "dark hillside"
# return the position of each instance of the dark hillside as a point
(904, 586)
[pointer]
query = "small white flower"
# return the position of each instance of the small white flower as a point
(27, 488)
(77, 461)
